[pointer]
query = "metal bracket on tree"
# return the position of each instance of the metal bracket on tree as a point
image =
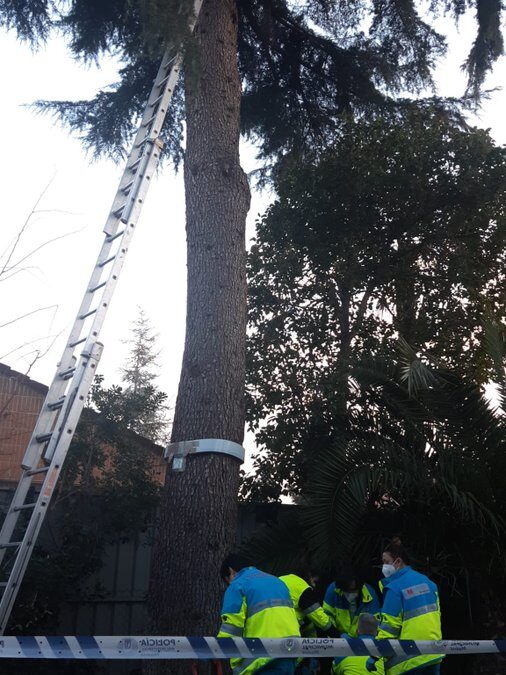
(176, 453)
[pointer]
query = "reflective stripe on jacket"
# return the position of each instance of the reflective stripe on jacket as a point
(257, 604)
(410, 612)
(344, 616)
(310, 613)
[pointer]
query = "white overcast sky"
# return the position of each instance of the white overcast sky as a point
(35, 151)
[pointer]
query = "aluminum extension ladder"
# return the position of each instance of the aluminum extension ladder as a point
(68, 391)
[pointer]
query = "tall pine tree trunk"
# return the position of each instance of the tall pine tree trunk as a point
(198, 516)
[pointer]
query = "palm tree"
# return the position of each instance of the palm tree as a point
(426, 461)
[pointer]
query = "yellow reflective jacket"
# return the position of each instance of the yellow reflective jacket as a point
(310, 613)
(355, 665)
(258, 605)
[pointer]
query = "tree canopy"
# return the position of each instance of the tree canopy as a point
(302, 63)
(397, 229)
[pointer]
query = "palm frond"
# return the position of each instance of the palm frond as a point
(414, 373)
(279, 546)
(495, 344)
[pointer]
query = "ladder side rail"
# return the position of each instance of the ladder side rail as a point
(144, 155)
(152, 158)
(161, 91)
(137, 202)
(86, 370)
(60, 384)
(95, 280)
(48, 420)
(11, 517)
(161, 112)
(33, 454)
(154, 115)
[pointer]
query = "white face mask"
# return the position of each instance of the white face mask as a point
(351, 597)
(388, 570)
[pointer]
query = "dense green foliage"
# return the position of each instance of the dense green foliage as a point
(302, 63)
(428, 461)
(398, 229)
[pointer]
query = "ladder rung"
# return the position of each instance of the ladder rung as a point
(77, 342)
(104, 262)
(56, 405)
(67, 374)
(95, 288)
(126, 189)
(42, 438)
(110, 238)
(141, 143)
(134, 165)
(119, 210)
(164, 80)
(23, 507)
(34, 472)
(11, 544)
(170, 61)
(156, 101)
(3, 584)
(151, 119)
(84, 316)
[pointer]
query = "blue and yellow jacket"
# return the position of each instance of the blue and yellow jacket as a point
(257, 604)
(355, 665)
(310, 613)
(344, 616)
(410, 612)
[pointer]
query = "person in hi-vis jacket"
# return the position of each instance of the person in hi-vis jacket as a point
(257, 605)
(410, 611)
(347, 597)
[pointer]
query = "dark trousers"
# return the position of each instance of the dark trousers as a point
(279, 667)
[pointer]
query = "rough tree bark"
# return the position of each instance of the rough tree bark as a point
(198, 515)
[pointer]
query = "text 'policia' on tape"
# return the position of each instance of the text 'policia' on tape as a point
(166, 647)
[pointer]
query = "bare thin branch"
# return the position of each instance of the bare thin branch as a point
(27, 344)
(24, 226)
(38, 248)
(23, 316)
(18, 270)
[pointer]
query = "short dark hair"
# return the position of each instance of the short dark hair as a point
(397, 550)
(303, 570)
(235, 561)
(346, 575)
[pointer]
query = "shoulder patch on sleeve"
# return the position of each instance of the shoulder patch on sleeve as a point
(414, 591)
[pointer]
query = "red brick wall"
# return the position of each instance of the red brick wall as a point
(20, 403)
